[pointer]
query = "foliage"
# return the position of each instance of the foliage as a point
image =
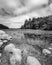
(42, 23)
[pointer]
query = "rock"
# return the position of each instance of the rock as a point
(9, 37)
(9, 47)
(32, 61)
(50, 47)
(15, 59)
(4, 41)
(46, 51)
(12, 60)
(1, 43)
(3, 35)
(2, 32)
(16, 53)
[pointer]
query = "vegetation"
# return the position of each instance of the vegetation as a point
(3, 26)
(34, 43)
(42, 23)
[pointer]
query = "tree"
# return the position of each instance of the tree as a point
(42, 23)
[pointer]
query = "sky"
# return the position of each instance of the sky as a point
(14, 12)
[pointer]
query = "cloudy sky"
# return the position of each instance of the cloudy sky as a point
(14, 12)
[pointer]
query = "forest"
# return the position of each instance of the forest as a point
(42, 23)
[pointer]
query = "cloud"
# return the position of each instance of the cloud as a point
(23, 9)
(17, 7)
(30, 5)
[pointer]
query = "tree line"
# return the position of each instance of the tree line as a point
(42, 23)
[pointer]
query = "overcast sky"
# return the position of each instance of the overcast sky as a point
(14, 12)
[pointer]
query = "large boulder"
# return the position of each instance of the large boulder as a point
(2, 32)
(9, 47)
(4, 35)
(32, 61)
(16, 53)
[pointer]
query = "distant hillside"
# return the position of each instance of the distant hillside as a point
(3, 26)
(42, 23)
